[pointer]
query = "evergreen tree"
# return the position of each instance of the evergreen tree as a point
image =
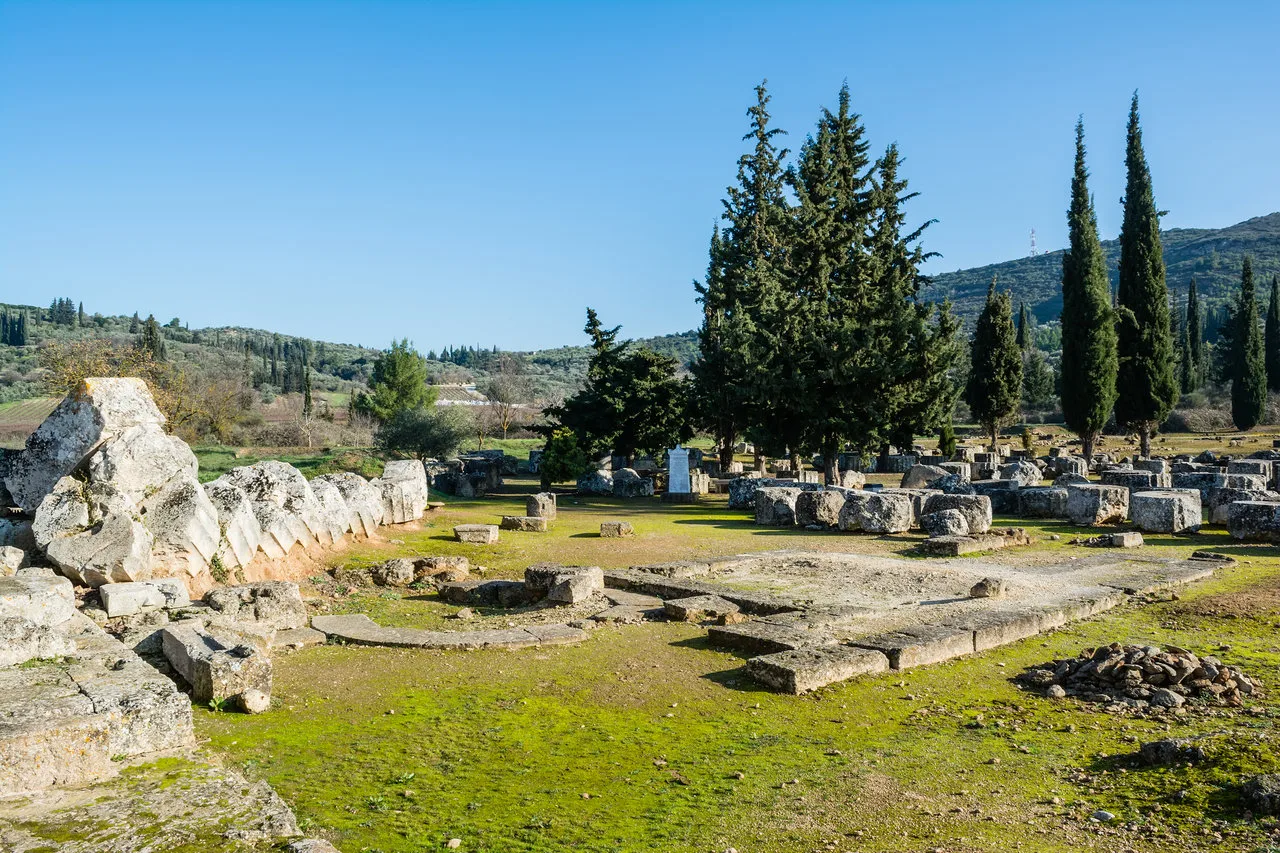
(995, 372)
(399, 384)
(719, 369)
(1037, 380)
(1193, 332)
(80, 319)
(1273, 337)
(21, 339)
(1023, 324)
(4, 328)
(134, 323)
(1089, 360)
(1249, 382)
(152, 339)
(1145, 340)
(1186, 361)
(307, 407)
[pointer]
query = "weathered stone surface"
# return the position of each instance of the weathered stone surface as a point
(283, 504)
(920, 645)
(1070, 478)
(98, 410)
(852, 479)
(803, 670)
(16, 533)
(495, 593)
(1257, 521)
(988, 588)
(1042, 502)
(1261, 794)
(1220, 500)
(1126, 539)
(22, 640)
(398, 572)
(441, 568)
(776, 506)
(616, 529)
(598, 482)
(1002, 493)
(93, 534)
(239, 533)
(576, 584)
(126, 599)
(877, 512)
(698, 608)
(217, 668)
(629, 484)
(525, 523)
(1088, 505)
(920, 476)
(311, 845)
(962, 470)
(476, 534)
(975, 508)
(1243, 481)
(11, 559)
(742, 490)
(48, 601)
(361, 630)
(1166, 511)
(1204, 481)
(277, 604)
(141, 460)
(335, 518)
(945, 522)
(1134, 481)
(1023, 473)
(1071, 465)
(184, 526)
(365, 509)
(541, 505)
(764, 638)
(404, 491)
(1259, 467)
(819, 509)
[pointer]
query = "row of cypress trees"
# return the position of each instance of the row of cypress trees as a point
(813, 333)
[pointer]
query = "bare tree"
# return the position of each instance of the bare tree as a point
(508, 390)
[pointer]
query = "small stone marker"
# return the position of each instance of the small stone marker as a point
(615, 529)
(526, 523)
(699, 608)
(1128, 539)
(476, 534)
(541, 505)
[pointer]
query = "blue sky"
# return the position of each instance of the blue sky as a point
(481, 172)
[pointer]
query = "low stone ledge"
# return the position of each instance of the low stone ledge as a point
(359, 629)
(920, 645)
(476, 534)
(524, 523)
(763, 638)
(803, 670)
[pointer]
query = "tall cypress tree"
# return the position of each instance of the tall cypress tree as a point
(756, 270)
(718, 377)
(1249, 382)
(1023, 322)
(1148, 387)
(152, 339)
(995, 369)
(1089, 360)
(1193, 327)
(1273, 337)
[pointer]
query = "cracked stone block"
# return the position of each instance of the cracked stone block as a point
(877, 512)
(1042, 502)
(763, 638)
(365, 509)
(1166, 511)
(476, 534)
(776, 506)
(975, 508)
(803, 670)
(335, 518)
(404, 491)
(93, 533)
(699, 608)
(283, 503)
(819, 509)
(541, 505)
(184, 526)
(1127, 539)
(217, 668)
(1258, 521)
(277, 604)
(920, 645)
(1089, 505)
(524, 523)
(239, 534)
(616, 529)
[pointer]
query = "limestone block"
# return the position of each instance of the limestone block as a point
(1259, 467)
(1097, 504)
(1042, 502)
(11, 559)
(404, 491)
(616, 529)
(365, 508)
(1071, 465)
(1220, 500)
(852, 479)
(217, 668)
(276, 604)
(629, 484)
(16, 533)
(1204, 481)
(283, 503)
(698, 608)
(239, 534)
(98, 410)
(742, 490)
(576, 584)
(48, 601)
(976, 509)
(184, 526)
(334, 515)
(877, 512)
(93, 534)
(1155, 466)
(476, 534)
(397, 572)
(126, 599)
(776, 506)
(1024, 473)
(1166, 511)
(920, 476)
(1003, 494)
(803, 670)
(541, 505)
(1127, 539)
(142, 460)
(1257, 521)
(599, 482)
(819, 509)
(963, 470)
(1070, 479)
(920, 645)
(1134, 481)
(525, 523)
(23, 640)
(945, 522)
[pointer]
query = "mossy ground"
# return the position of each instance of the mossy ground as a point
(635, 739)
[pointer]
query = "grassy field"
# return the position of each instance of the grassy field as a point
(19, 418)
(646, 738)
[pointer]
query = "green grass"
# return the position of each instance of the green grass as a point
(654, 725)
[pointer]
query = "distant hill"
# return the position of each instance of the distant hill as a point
(1212, 256)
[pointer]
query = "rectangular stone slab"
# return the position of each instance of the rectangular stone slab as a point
(763, 638)
(920, 645)
(997, 628)
(802, 670)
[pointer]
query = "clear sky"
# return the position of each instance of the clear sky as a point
(481, 172)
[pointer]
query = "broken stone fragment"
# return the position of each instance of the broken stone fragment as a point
(524, 523)
(615, 529)
(11, 559)
(365, 509)
(476, 534)
(945, 522)
(142, 460)
(274, 603)
(239, 531)
(541, 505)
(218, 668)
(699, 608)
(93, 533)
(397, 572)
(988, 588)
(335, 518)
(184, 526)
(404, 491)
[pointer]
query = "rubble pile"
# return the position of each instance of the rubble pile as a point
(1141, 678)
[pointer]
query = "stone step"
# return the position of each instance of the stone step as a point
(359, 629)
(802, 670)
(763, 638)
(920, 645)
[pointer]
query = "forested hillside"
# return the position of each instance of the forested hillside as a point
(1212, 256)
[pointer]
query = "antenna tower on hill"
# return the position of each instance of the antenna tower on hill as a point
(1033, 242)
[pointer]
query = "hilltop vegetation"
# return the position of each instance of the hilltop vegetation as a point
(1212, 255)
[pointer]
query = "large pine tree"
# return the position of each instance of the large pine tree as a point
(1193, 332)
(995, 369)
(1249, 380)
(719, 377)
(1146, 383)
(1089, 360)
(1272, 342)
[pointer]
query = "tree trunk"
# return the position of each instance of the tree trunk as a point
(1086, 442)
(726, 454)
(830, 464)
(1144, 438)
(883, 463)
(995, 437)
(759, 461)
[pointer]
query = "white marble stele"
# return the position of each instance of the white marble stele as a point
(678, 471)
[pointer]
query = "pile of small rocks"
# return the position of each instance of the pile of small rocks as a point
(1139, 678)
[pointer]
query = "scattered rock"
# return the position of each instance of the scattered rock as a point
(988, 588)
